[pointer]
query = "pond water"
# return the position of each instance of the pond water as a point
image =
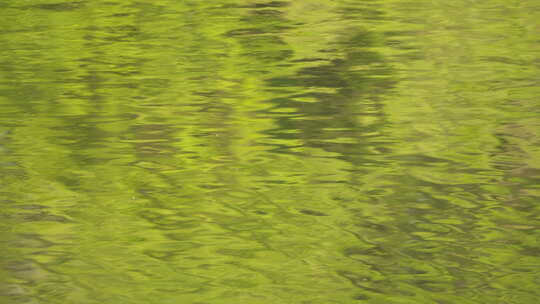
(241, 151)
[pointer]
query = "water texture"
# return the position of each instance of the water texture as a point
(257, 152)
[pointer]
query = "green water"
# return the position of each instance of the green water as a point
(269, 152)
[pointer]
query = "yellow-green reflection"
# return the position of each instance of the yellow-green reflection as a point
(269, 152)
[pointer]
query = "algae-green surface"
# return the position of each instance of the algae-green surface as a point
(269, 152)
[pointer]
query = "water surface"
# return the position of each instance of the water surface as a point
(303, 152)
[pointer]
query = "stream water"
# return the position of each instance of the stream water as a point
(269, 152)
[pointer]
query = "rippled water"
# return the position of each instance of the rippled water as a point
(329, 151)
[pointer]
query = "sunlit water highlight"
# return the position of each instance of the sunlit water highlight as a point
(297, 152)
